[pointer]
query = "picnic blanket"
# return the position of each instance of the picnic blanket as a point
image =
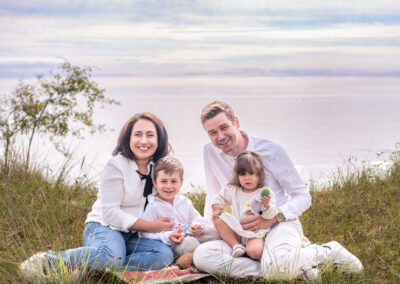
(170, 274)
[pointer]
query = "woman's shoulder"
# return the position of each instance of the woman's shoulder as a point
(119, 161)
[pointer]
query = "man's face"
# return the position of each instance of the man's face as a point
(223, 133)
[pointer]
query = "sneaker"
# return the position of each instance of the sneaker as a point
(35, 265)
(344, 258)
(311, 274)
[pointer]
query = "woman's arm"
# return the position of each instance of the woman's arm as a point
(158, 225)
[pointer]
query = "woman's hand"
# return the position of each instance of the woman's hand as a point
(256, 223)
(265, 200)
(161, 224)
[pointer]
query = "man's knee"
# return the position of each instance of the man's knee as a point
(279, 263)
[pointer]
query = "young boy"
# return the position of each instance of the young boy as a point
(189, 225)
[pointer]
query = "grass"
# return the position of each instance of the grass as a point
(359, 209)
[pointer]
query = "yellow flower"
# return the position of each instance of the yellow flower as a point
(248, 204)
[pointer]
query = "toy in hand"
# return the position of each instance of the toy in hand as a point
(256, 205)
(180, 231)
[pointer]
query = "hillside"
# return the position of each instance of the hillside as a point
(361, 210)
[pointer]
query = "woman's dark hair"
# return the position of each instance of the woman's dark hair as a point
(246, 162)
(123, 145)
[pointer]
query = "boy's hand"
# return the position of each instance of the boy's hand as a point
(176, 238)
(196, 229)
(265, 200)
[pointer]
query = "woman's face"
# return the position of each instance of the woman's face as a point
(143, 141)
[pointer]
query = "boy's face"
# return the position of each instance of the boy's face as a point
(167, 185)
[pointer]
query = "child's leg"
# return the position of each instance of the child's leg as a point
(226, 233)
(230, 237)
(189, 244)
(209, 233)
(254, 248)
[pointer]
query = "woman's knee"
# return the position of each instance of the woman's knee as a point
(107, 257)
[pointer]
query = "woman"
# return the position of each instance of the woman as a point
(111, 228)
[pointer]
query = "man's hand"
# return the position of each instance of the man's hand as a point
(176, 237)
(196, 229)
(256, 223)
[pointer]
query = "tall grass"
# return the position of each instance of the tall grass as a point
(360, 209)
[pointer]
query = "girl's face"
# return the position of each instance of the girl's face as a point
(143, 141)
(249, 181)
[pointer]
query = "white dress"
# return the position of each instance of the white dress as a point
(240, 203)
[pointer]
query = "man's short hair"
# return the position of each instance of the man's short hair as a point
(169, 165)
(215, 107)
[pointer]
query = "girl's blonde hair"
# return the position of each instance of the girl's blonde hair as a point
(246, 162)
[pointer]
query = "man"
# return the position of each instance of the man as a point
(284, 253)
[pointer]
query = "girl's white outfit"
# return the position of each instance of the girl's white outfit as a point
(240, 201)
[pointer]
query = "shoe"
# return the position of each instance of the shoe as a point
(238, 250)
(311, 274)
(344, 258)
(185, 261)
(35, 265)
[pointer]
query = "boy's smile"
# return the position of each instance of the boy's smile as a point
(167, 185)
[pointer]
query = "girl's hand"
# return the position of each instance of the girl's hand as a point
(265, 200)
(196, 229)
(176, 238)
(161, 224)
(216, 214)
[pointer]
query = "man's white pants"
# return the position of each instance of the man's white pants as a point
(284, 256)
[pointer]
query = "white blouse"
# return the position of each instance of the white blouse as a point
(120, 200)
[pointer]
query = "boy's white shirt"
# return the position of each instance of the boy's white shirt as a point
(182, 214)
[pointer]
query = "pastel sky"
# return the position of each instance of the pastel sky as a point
(229, 38)
(172, 57)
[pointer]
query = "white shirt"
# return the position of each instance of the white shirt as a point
(291, 194)
(120, 199)
(182, 214)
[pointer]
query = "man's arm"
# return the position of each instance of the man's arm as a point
(212, 184)
(286, 174)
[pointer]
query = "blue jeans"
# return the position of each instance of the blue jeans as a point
(104, 247)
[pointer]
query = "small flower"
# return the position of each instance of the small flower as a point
(248, 204)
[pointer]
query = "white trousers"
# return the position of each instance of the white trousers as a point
(284, 256)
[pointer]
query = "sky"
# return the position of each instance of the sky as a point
(172, 57)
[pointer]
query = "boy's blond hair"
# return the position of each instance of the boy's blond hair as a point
(169, 165)
(215, 107)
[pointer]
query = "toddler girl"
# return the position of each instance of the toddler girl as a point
(239, 194)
